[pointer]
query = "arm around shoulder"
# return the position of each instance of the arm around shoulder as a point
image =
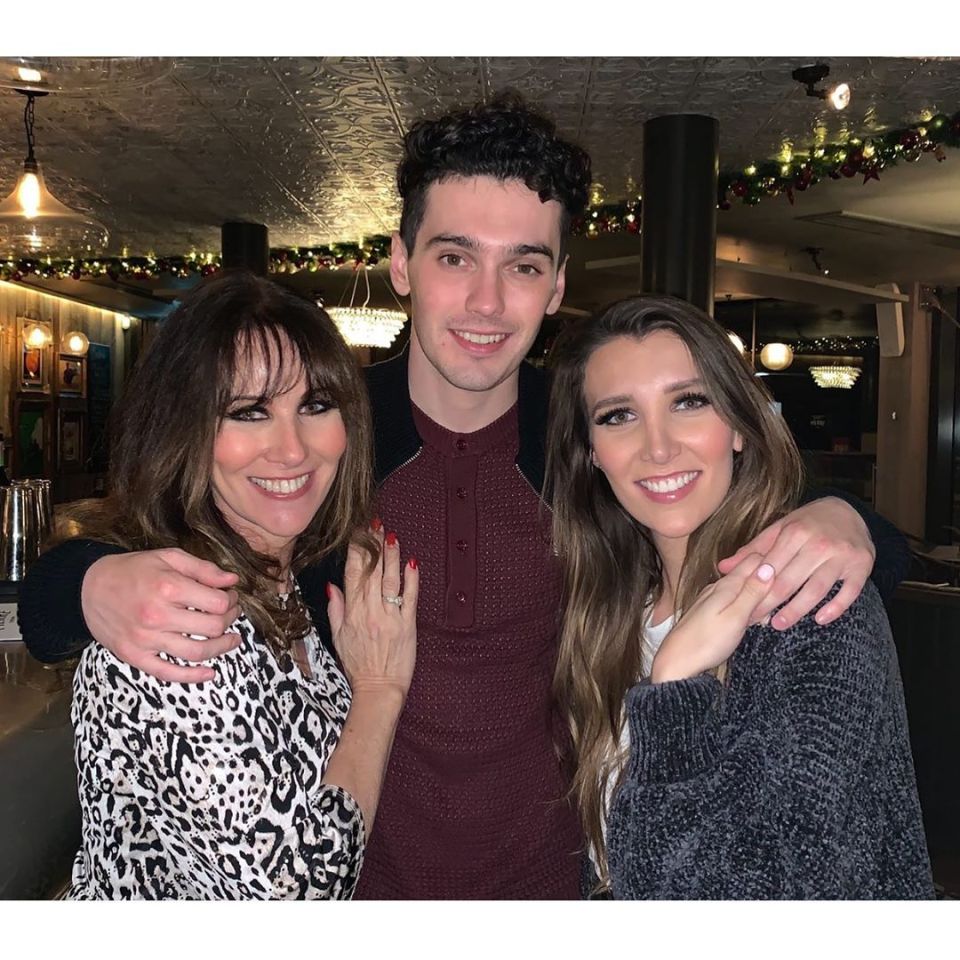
(50, 612)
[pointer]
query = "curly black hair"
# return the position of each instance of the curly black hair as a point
(505, 139)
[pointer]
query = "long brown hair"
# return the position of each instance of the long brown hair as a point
(164, 426)
(611, 568)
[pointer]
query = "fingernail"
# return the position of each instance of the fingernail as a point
(412, 563)
(329, 592)
(375, 524)
(765, 572)
(779, 620)
(391, 539)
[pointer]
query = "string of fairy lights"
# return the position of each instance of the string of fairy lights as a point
(783, 176)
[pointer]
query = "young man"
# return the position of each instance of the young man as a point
(474, 804)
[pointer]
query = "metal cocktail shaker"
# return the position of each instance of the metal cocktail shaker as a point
(19, 533)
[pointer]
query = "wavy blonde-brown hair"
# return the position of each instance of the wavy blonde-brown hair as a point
(164, 426)
(611, 569)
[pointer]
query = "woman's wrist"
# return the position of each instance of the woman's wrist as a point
(385, 694)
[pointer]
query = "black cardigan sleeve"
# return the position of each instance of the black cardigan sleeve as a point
(893, 552)
(51, 618)
(49, 611)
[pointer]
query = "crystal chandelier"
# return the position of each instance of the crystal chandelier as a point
(366, 326)
(33, 222)
(835, 376)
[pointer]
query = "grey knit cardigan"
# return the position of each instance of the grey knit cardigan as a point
(792, 780)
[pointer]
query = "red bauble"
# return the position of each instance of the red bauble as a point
(910, 140)
(739, 188)
(75, 273)
(633, 226)
(855, 157)
(848, 171)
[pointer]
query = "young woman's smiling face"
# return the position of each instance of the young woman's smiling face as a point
(655, 435)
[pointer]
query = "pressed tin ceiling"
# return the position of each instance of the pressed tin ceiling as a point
(163, 150)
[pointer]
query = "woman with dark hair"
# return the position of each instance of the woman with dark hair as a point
(716, 757)
(243, 436)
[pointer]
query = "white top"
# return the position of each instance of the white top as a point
(653, 636)
(214, 790)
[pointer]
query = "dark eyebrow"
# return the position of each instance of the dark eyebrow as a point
(610, 401)
(470, 243)
(454, 239)
(684, 385)
(532, 249)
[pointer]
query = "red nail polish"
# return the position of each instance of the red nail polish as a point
(391, 539)
(329, 592)
(376, 523)
(412, 563)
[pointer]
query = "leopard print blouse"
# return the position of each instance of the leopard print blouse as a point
(213, 790)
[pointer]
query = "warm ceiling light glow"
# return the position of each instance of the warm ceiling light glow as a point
(34, 222)
(835, 376)
(776, 356)
(736, 341)
(839, 96)
(29, 75)
(76, 342)
(124, 321)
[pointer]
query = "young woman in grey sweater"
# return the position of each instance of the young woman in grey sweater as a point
(719, 755)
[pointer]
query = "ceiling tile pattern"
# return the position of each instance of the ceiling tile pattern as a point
(163, 150)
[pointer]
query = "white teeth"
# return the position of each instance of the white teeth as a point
(670, 484)
(480, 337)
(281, 486)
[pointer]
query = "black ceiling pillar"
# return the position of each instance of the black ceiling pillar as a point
(245, 245)
(679, 212)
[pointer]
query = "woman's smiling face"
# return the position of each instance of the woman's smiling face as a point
(654, 433)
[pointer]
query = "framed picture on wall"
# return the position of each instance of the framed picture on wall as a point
(33, 337)
(32, 438)
(70, 449)
(72, 376)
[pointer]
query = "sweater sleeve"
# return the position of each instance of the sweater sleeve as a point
(754, 801)
(49, 611)
(893, 552)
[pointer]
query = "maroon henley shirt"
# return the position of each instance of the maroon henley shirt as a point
(474, 805)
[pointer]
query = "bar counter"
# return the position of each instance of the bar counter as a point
(39, 812)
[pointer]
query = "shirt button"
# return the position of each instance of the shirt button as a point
(461, 493)
(461, 444)
(461, 597)
(462, 546)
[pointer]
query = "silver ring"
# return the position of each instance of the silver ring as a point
(395, 600)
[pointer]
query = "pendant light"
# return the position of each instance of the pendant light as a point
(33, 222)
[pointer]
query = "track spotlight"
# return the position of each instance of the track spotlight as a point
(837, 96)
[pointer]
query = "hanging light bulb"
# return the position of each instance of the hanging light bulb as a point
(776, 356)
(33, 222)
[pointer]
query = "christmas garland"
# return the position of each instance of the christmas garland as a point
(834, 160)
(370, 252)
(770, 178)
(774, 177)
